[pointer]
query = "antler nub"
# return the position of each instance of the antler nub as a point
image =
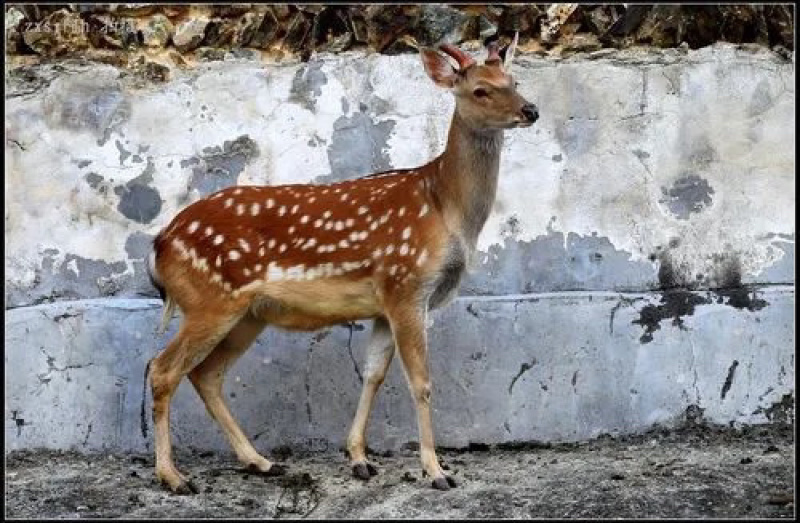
(464, 60)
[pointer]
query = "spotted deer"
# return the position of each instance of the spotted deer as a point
(388, 246)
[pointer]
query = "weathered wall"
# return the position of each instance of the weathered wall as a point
(653, 200)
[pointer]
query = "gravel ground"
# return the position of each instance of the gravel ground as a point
(691, 472)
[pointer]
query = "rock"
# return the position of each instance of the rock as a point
(660, 26)
(298, 31)
(210, 54)
(134, 9)
(282, 11)
(629, 20)
(15, 19)
(780, 25)
(157, 31)
(437, 24)
(177, 59)
(267, 31)
(313, 9)
(219, 33)
(189, 34)
(63, 32)
(337, 44)
(329, 25)
(700, 24)
(486, 28)
(156, 72)
(175, 10)
(403, 45)
(523, 18)
(600, 18)
(245, 29)
(385, 23)
(116, 58)
(238, 53)
(232, 10)
(559, 22)
(358, 24)
(583, 43)
(111, 32)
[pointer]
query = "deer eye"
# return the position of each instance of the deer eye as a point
(480, 93)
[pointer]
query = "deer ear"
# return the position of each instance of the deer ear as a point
(438, 68)
(509, 54)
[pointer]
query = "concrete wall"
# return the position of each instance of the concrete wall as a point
(647, 171)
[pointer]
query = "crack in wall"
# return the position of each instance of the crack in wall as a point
(523, 368)
(45, 378)
(353, 326)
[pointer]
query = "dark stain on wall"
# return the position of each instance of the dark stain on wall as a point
(729, 379)
(731, 291)
(306, 85)
(675, 303)
(358, 147)
(689, 194)
(94, 278)
(679, 300)
(137, 200)
(219, 166)
(781, 411)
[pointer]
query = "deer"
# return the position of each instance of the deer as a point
(388, 247)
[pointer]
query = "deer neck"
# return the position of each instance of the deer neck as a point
(464, 181)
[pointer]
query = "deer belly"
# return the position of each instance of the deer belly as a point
(310, 305)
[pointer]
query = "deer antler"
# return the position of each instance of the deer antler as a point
(464, 60)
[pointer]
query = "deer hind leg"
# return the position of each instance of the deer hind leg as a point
(208, 378)
(408, 326)
(379, 355)
(197, 337)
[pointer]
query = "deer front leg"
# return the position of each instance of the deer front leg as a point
(408, 327)
(379, 355)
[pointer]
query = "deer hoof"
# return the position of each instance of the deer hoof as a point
(274, 470)
(444, 483)
(185, 488)
(364, 471)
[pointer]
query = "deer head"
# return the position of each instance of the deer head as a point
(486, 95)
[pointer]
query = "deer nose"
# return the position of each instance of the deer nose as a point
(530, 112)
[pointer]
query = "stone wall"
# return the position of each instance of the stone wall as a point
(638, 263)
(114, 33)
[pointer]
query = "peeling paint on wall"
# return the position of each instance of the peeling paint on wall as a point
(307, 84)
(556, 262)
(94, 157)
(358, 147)
(219, 166)
(689, 194)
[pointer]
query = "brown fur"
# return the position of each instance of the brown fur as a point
(387, 247)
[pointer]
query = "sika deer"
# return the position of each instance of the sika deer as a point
(389, 246)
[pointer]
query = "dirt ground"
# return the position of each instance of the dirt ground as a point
(691, 472)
